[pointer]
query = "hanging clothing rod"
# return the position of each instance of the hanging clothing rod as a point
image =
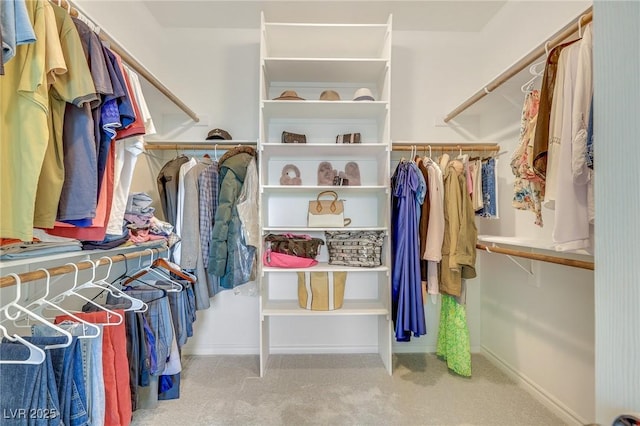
(537, 256)
(193, 146)
(9, 281)
(527, 60)
(131, 61)
(445, 146)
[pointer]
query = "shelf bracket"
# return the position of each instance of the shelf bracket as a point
(513, 259)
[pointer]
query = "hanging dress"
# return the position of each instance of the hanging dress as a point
(408, 191)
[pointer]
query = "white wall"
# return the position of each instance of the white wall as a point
(617, 107)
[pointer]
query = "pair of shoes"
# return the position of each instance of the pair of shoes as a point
(326, 173)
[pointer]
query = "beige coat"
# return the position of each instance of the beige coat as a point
(459, 246)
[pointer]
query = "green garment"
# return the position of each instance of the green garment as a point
(453, 336)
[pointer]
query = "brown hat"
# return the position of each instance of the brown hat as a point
(329, 95)
(219, 134)
(288, 95)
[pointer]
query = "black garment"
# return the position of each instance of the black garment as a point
(168, 187)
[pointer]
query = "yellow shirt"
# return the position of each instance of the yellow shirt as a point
(23, 130)
(74, 87)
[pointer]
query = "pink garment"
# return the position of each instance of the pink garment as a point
(143, 235)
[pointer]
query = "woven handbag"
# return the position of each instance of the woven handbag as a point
(295, 245)
(355, 248)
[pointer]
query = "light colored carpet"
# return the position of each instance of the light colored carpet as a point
(344, 390)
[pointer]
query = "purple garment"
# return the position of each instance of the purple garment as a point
(407, 303)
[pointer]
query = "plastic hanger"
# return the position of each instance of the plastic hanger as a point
(43, 303)
(71, 292)
(137, 305)
(15, 304)
(36, 354)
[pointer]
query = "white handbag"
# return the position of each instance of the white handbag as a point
(327, 213)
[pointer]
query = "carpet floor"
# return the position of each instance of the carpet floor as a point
(344, 390)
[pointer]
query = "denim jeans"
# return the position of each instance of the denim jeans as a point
(91, 349)
(159, 319)
(28, 392)
(178, 306)
(489, 190)
(69, 376)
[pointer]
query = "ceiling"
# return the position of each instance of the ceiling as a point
(416, 15)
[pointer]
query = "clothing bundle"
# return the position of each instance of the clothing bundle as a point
(68, 167)
(553, 164)
(213, 206)
(433, 237)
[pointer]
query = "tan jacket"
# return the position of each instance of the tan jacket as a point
(459, 246)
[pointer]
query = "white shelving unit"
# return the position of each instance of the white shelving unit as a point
(311, 58)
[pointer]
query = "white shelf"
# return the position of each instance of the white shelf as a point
(324, 40)
(273, 149)
(314, 110)
(529, 243)
(305, 229)
(316, 189)
(74, 256)
(325, 267)
(325, 70)
(350, 307)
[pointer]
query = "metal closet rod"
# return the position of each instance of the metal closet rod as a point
(532, 56)
(9, 281)
(132, 62)
(445, 146)
(537, 256)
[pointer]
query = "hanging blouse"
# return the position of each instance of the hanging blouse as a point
(528, 186)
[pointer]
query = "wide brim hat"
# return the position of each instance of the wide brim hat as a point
(363, 94)
(289, 95)
(329, 95)
(219, 134)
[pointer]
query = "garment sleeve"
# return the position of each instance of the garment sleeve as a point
(453, 195)
(229, 190)
(190, 232)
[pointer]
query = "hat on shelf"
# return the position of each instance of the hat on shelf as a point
(288, 95)
(329, 95)
(363, 94)
(219, 134)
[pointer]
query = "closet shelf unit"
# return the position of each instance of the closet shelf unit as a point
(309, 58)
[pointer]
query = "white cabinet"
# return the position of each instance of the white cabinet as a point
(309, 59)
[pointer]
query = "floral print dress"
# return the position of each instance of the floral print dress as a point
(528, 187)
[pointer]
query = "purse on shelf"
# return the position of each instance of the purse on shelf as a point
(321, 291)
(288, 137)
(282, 260)
(295, 245)
(348, 138)
(327, 213)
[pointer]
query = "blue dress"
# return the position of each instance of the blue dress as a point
(408, 191)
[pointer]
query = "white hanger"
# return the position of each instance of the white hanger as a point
(36, 355)
(41, 303)
(528, 86)
(137, 305)
(72, 292)
(33, 315)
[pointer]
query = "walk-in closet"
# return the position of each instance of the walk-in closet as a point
(320, 212)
